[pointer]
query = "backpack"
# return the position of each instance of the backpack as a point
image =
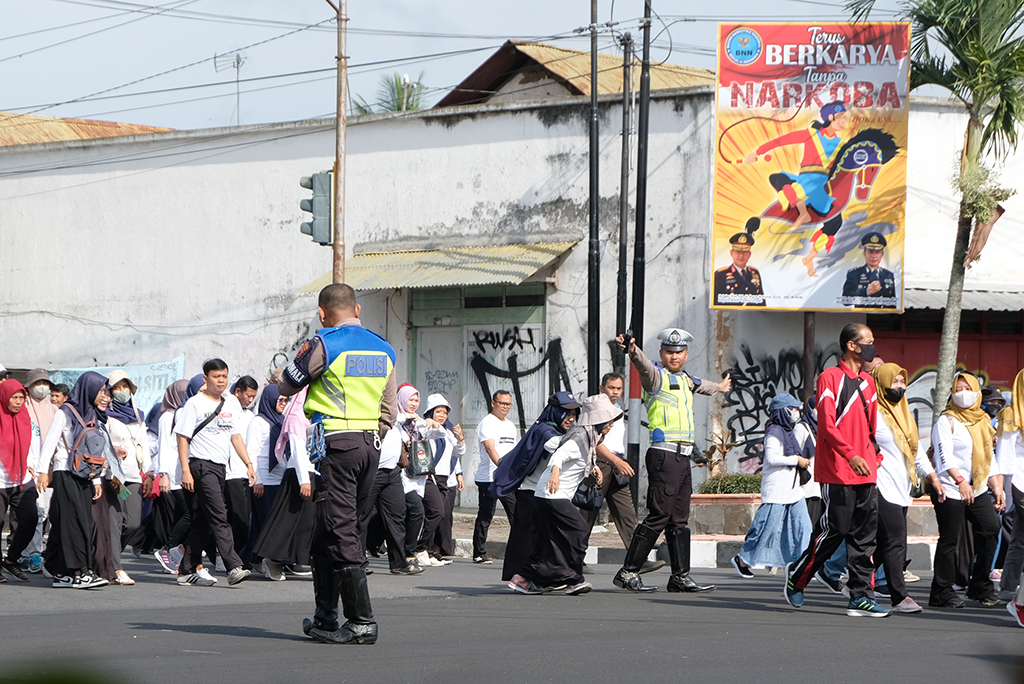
(86, 459)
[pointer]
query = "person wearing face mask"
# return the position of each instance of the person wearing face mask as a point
(970, 487)
(557, 558)
(128, 433)
(781, 527)
(520, 470)
(69, 548)
(41, 410)
(19, 444)
(896, 434)
(992, 402)
(846, 459)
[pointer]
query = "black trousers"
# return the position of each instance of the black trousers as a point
(387, 496)
(557, 557)
(951, 515)
(69, 546)
(485, 513)
(851, 515)
(261, 508)
(433, 513)
(892, 547)
(669, 487)
(444, 539)
(413, 522)
(238, 499)
(522, 535)
(169, 529)
(619, 499)
(209, 518)
(21, 501)
(346, 478)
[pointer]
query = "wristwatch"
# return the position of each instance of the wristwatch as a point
(960, 479)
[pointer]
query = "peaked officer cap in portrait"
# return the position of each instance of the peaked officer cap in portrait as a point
(674, 339)
(742, 242)
(873, 241)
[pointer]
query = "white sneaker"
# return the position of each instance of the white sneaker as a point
(425, 559)
(123, 579)
(63, 582)
(196, 580)
(89, 580)
(272, 570)
(206, 574)
(237, 575)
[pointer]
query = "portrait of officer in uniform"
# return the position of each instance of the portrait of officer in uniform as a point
(870, 285)
(739, 284)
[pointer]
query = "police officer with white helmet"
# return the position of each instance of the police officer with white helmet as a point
(668, 396)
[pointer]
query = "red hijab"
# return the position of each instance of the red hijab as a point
(15, 432)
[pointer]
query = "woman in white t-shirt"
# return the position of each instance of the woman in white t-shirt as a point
(557, 559)
(170, 513)
(971, 489)
(896, 434)
(127, 426)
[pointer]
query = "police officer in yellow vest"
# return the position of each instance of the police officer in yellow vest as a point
(352, 391)
(668, 396)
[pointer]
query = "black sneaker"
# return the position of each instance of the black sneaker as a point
(14, 571)
(742, 568)
(883, 591)
(953, 602)
(833, 584)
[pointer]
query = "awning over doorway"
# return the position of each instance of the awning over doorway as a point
(978, 300)
(449, 267)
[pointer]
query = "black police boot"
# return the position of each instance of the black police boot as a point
(628, 576)
(678, 542)
(326, 592)
(355, 598)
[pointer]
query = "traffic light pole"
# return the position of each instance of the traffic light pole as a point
(339, 146)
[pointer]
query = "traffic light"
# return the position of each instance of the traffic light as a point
(319, 206)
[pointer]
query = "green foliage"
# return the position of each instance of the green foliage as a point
(735, 483)
(393, 95)
(981, 193)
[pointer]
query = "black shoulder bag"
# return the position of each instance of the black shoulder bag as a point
(208, 420)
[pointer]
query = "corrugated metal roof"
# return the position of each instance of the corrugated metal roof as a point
(977, 300)
(572, 67)
(25, 129)
(507, 264)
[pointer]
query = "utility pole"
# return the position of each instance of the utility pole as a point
(594, 256)
(619, 358)
(639, 252)
(339, 145)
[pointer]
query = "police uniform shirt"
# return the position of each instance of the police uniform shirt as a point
(855, 289)
(738, 287)
(311, 361)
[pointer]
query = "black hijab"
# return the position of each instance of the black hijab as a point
(268, 412)
(81, 398)
(518, 463)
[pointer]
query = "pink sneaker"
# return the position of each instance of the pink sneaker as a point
(907, 605)
(995, 575)
(1017, 612)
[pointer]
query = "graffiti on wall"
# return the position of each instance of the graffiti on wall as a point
(755, 380)
(526, 386)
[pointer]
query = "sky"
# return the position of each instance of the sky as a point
(155, 64)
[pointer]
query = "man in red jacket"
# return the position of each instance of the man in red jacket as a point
(845, 462)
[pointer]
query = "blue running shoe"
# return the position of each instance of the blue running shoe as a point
(789, 592)
(865, 607)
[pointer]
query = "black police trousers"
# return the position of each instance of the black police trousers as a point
(669, 487)
(346, 478)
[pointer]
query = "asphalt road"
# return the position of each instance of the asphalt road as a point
(460, 624)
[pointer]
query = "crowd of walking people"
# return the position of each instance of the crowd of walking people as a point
(332, 461)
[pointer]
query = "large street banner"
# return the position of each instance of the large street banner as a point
(151, 378)
(810, 166)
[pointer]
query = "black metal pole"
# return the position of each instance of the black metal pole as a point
(809, 366)
(621, 299)
(639, 250)
(594, 256)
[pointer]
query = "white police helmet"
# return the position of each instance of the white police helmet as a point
(674, 339)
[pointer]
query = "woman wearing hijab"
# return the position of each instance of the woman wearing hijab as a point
(170, 514)
(896, 434)
(412, 428)
(449, 448)
(261, 440)
(128, 433)
(557, 558)
(18, 443)
(41, 410)
(971, 489)
(520, 470)
(69, 549)
(1010, 449)
(288, 529)
(781, 528)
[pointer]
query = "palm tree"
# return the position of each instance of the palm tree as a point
(395, 94)
(973, 49)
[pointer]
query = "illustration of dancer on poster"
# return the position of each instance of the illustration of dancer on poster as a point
(811, 166)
